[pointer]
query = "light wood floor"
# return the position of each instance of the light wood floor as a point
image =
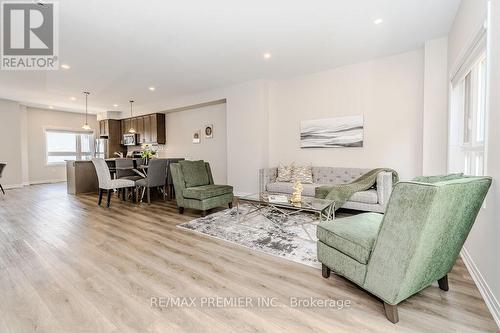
(67, 265)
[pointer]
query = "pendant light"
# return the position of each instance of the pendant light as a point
(86, 125)
(131, 130)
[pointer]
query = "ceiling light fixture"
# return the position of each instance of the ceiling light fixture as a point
(115, 105)
(64, 66)
(378, 21)
(51, 107)
(131, 130)
(86, 125)
(267, 55)
(152, 88)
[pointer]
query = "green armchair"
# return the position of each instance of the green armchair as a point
(195, 189)
(415, 243)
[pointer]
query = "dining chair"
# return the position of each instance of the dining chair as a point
(106, 183)
(125, 169)
(156, 177)
(2, 166)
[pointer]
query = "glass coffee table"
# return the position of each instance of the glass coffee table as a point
(325, 209)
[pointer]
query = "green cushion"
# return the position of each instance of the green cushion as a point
(342, 264)
(195, 173)
(354, 236)
(206, 191)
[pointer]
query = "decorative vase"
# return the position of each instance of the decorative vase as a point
(297, 192)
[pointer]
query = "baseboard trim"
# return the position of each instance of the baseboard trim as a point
(47, 181)
(488, 296)
(12, 186)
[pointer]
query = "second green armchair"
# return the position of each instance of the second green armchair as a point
(416, 242)
(194, 187)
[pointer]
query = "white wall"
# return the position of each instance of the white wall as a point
(10, 143)
(180, 127)
(435, 112)
(482, 248)
(387, 91)
(38, 120)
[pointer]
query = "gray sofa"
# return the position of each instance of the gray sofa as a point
(372, 200)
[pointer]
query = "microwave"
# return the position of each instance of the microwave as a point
(130, 139)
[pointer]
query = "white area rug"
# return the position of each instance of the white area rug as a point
(290, 237)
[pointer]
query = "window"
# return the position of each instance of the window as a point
(68, 145)
(468, 117)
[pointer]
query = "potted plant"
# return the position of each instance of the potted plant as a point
(147, 153)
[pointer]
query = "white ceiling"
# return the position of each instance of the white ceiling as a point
(117, 49)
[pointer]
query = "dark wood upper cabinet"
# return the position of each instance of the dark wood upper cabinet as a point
(104, 127)
(140, 128)
(151, 128)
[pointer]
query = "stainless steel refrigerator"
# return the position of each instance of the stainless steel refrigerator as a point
(101, 148)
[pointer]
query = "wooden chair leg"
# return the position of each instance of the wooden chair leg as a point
(391, 312)
(230, 205)
(203, 213)
(123, 193)
(134, 192)
(325, 271)
(100, 197)
(181, 210)
(148, 193)
(443, 283)
(108, 198)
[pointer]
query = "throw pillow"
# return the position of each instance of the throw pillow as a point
(195, 173)
(302, 174)
(284, 173)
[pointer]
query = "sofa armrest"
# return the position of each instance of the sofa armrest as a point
(267, 176)
(179, 182)
(384, 187)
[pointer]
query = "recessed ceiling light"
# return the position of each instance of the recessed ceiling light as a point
(64, 66)
(115, 105)
(152, 88)
(267, 55)
(73, 98)
(51, 107)
(378, 21)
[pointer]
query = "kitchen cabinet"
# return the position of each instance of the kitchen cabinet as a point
(151, 128)
(104, 128)
(112, 130)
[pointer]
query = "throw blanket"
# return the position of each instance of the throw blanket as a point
(342, 192)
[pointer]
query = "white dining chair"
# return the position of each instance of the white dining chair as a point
(106, 183)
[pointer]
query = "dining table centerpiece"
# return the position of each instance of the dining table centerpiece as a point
(147, 153)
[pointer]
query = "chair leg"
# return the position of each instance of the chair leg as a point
(203, 213)
(100, 197)
(391, 312)
(108, 198)
(134, 191)
(181, 210)
(443, 283)
(148, 193)
(1, 188)
(325, 271)
(123, 193)
(164, 192)
(230, 205)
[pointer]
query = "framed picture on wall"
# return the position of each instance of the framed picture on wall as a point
(197, 136)
(209, 131)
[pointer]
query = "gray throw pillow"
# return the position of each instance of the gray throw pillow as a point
(302, 174)
(284, 173)
(195, 173)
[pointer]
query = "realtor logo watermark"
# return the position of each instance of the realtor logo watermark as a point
(30, 35)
